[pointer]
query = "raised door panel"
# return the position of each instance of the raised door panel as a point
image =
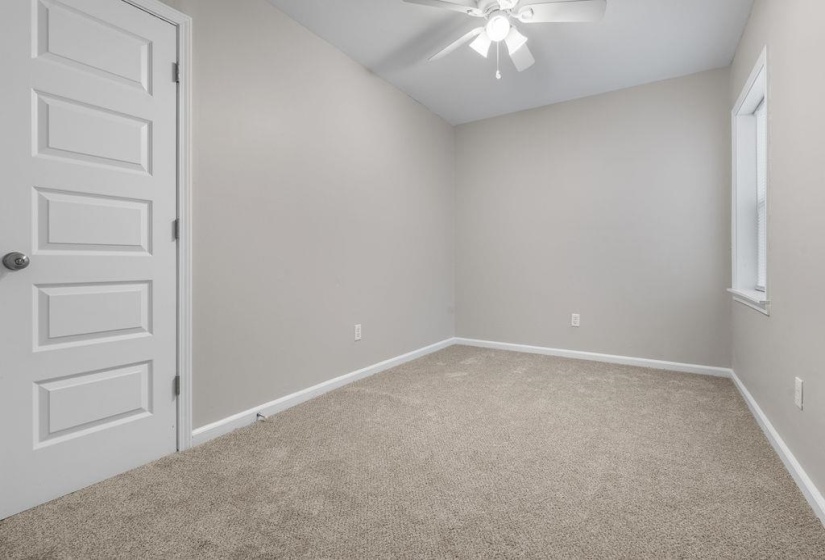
(84, 133)
(78, 314)
(72, 37)
(77, 404)
(79, 223)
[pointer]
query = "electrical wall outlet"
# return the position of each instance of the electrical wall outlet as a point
(575, 320)
(797, 393)
(357, 332)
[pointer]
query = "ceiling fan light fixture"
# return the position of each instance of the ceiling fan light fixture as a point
(515, 40)
(498, 27)
(482, 45)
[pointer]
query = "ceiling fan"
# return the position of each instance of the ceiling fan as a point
(502, 15)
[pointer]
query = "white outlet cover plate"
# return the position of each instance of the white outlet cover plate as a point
(797, 396)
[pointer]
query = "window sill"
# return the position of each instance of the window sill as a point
(752, 298)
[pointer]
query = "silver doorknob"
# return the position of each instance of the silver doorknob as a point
(16, 261)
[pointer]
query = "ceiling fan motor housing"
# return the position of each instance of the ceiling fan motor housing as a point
(487, 7)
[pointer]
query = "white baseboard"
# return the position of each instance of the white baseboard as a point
(247, 417)
(594, 357)
(806, 485)
(803, 481)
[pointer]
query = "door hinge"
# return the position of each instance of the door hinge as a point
(177, 385)
(176, 229)
(176, 72)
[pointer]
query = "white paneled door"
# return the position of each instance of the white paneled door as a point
(88, 194)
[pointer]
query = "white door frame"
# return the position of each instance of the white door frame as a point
(183, 23)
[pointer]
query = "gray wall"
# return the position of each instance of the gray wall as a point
(768, 352)
(615, 207)
(336, 194)
(323, 197)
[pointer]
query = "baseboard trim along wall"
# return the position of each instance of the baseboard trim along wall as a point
(806, 485)
(803, 481)
(595, 357)
(247, 417)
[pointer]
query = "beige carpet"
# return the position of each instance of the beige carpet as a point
(467, 453)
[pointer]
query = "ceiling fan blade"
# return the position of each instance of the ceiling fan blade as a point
(464, 6)
(523, 58)
(563, 12)
(455, 44)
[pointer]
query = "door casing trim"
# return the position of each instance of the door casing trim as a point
(183, 23)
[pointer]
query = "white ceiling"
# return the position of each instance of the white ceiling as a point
(638, 42)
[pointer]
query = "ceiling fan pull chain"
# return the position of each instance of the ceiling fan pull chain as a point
(498, 61)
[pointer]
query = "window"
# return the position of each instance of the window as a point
(750, 191)
(761, 114)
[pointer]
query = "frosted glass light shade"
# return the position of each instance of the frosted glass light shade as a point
(482, 45)
(515, 40)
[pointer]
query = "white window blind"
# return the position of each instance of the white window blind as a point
(761, 115)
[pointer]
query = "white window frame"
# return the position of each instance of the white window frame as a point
(750, 280)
